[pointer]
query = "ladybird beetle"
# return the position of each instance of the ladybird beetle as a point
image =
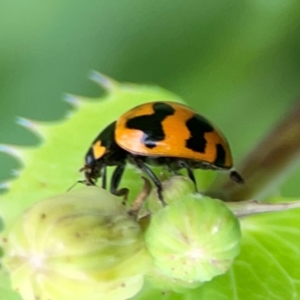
(158, 133)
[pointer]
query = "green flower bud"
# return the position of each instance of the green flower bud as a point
(166, 283)
(193, 239)
(79, 245)
(174, 188)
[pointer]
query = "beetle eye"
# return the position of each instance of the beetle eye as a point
(89, 160)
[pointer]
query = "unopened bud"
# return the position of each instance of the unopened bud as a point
(173, 189)
(79, 245)
(193, 239)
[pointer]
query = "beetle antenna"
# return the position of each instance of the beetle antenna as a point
(72, 186)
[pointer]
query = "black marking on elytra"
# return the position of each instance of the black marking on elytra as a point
(197, 126)
(151, 125)
(220, 156)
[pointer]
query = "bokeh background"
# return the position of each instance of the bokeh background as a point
(236, 62)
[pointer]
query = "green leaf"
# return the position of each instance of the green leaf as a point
(270, 257)
(52, 167)
(268, 266)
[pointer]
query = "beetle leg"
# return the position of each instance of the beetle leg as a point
(124, 193)
(104, 176)
(191, 175)
(116, 179)
(140, 164)
(137, 204)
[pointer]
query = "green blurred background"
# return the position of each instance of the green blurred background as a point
(236, 62)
